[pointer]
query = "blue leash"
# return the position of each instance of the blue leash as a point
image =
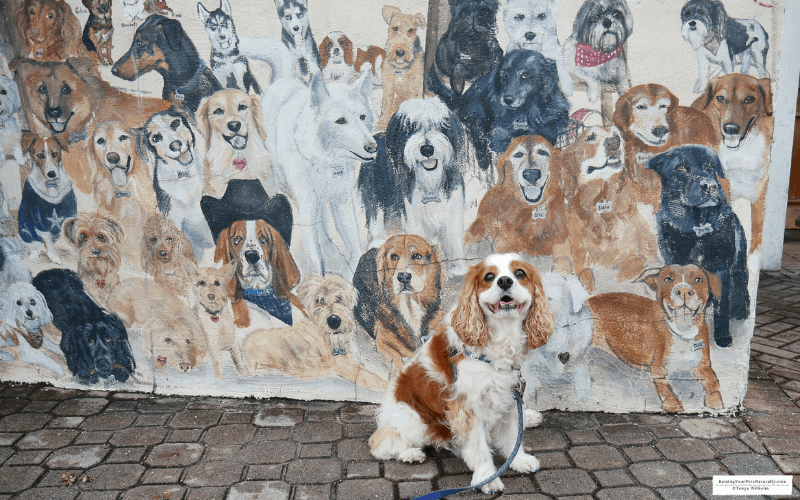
(452, 491)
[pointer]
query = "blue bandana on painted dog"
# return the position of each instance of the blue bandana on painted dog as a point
(268, 301)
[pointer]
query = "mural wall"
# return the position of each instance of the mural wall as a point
(241, 198)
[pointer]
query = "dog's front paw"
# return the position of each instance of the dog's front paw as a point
(412, 455)
(532, 418)
(525, 463)
(714, 400)
(492, 487)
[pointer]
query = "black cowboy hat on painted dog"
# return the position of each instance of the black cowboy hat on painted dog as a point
(247, 200)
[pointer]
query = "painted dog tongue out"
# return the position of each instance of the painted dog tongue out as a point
(506, 303)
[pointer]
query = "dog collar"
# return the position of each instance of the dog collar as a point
(122, 194)
(539, 213)
(587, 57)
(267, 300)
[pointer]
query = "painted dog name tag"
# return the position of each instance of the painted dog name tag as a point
(703, 230)
(466, 57)
(520, 125)
(700, 344)
(643, 157)
(539, 213)
(179, 96)
(603, 206)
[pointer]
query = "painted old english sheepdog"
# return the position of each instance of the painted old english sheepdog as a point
(416, 183)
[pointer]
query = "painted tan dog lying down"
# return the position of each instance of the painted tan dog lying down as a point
(302, 351)
(666, 335)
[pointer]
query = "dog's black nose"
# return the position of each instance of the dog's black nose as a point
(708, 186)
(29, 313)
(51, 174)
(530, 35)
(660, 131)
(175, 145)
(400, 53)
(251, 256)
(531, 175)
(162, 253)
(102, 365)
(112, 157)
(730, 128)
(371, 147)
(606, 23)
(211, 296)
(334, 321)
(404, 278)
(692, 24)
(612, 143)
(103, 9)
(504, 282)
(54, 112)
(234, 126)
(296, 28)
(426, 150)
(336, 51)
(95, 252)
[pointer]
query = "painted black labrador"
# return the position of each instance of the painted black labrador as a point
(697, 226)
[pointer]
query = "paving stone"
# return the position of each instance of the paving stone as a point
(206, 493)
(247, 490)
(413, 489)
(220, 452)
(151, 419)
(708, 428)
(728, 446)
(54, 393)
(161, 405)
(109, 421)
(359, 430)
(163, 476)
(9, 438)
(781, 446)
(314, 450)
(264, 472)
(270, 452)
(23, 422)
(641, 453)
(706, 470)
(552, 460)
(96, 437)
(570, 421)
(185, 435)
(753, 442)
(229, 434)
(126, 455)
(358, 413)
(682, 493)
(278, 417)
(115, 406)
(312, 492)
(65, 422)
(47, 439)
(10, 406)
(518, 484)
(213, 474)
(195, 419)
(379, 489)
(788, 464)
(751, 464)
(360, 470)
(452, 466)
(150, 492)
(273, 433)
(660, 473)
(139, 436)
(5, 452)
(534, 440)
(174, 455)
(80, 457)
(114, 476)
(611, 478)
(33, 457)
(628, 493)
(320, 416)
(625, 434)
(596, 457)
(685, 450)
(314, 470)
(400, 471)
(317, 432)
(353, 449)
(48, 494)
(53, 478)
(650, 419)
(16, 479)
(236, 417)
(583, 437)
(80, 406)
(40, 406)
(565, 482)
(99, 495)
(666, 431)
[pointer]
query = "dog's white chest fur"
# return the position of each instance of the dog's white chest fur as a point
(684, 354)
(744, 166)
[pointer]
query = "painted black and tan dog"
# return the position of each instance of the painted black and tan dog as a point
(161, 45)
(98, 30)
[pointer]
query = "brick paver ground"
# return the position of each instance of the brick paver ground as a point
(68, 444)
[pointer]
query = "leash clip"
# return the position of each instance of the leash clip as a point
(521, 383)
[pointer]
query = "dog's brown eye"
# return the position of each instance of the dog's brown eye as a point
(50, 16)
(681, 168)
(519, 17)
(489, 277)
(363, 117)
(394, 256)
(201, 283)
(342, 121)
(123, 137)
(237, 240)
(710, 167)
(667, 280)
(339, 300)
(101, 141)
(415, 256)
(411, 31)
(641, 106)
(168, 340)
(3, 92)
(19, 302)
(749, 100)
(42, 89)
(542, 16)
(395, 28)
(175, 124)
(520, 274)
(720, 98)
(664, 106)
(591, 137)
(91, 341)
(330, 44)
(544, 153)
(263, 240)
(525, 75)
(216, 283)
(169, 240)
(40, 156)
(54, 154)
(83, 236)
(242, 107)
(519, 154)
(189, 342)
(698, 280)
(101, 237)
(156, 138)
(66, 90)
(33, 302)
(219, 111)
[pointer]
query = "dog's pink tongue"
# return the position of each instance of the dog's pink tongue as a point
(239, 163)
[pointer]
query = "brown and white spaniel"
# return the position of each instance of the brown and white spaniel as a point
(342, 61)
(458, 390)
(263, 263)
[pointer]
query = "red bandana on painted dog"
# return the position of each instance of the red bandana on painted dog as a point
(587, 57)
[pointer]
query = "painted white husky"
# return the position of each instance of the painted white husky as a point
(318, 136)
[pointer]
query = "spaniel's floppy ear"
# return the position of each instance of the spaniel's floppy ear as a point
(203, 125)
(68, 229)
(323, 51)
(286, 273)
(223, 252)
(622, 112)
(714, 284)
(28, 138)
(258, 116)
(468, 321)
(540, 323)
(72, 32)
(710, 89)
(347, 51)
(765, 88)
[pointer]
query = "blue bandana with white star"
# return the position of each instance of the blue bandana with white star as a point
(268, 301)
(36, 213)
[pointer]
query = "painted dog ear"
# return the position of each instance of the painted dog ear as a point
(622, 112)
(648, 277)
(173, 33)
(720, 19)
(28, 138)
(709, 93)
(657, 162)
(420, 19)
(319, 91)
(323, 51)
(88, 4)
(714, 284)
(225, 6)
(68, 229)
(222, 252)
(203, 13)
(389, 12)
(765, 87)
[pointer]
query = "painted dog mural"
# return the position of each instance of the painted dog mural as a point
(198, 202)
